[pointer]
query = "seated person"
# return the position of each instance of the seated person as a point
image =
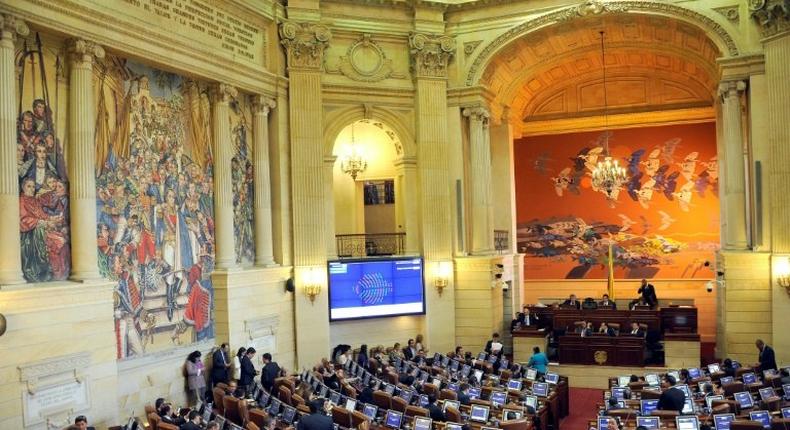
(366, 395)
(587, 329)
(637, 302)
(608, 303)
(728, 367)
(572, 302)
(636, 331)
(194, 421)
(170, 416)
(158, 405)
(232, 389)
(605, 329)
(673, 398)
(436, 413)
(459, 353)
(463, 394)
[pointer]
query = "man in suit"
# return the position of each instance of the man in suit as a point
(270, 372)
(608, 303)
(171, 417)
(434, 410)
(528, 320)
(767, 359)
(317, 420)
(673, 398)
(193, 421)
(220, 366)
(605, 329)
(572, 302)
(463, 394)
(636, 331)
(410, 351)
(248, 371)
(648, 292)
(493, 346)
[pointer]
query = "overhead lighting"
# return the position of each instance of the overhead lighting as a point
(352, 162)
(607, 176)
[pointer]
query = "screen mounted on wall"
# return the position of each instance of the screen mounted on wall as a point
(375, 288)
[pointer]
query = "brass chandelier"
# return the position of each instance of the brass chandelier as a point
(352, 162)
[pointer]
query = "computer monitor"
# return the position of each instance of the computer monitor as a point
(393, 419)
(685, 388)
(675, 374)
(532, 374)
(603, 422)
(263, 398)
(688, 406)
(324, 391)
(289, 414)
(714, 368)
(786, 412)
(687, 423)
(455, 404)
(479, 413)
(478, 375)
(726, 380)
(511, 414)
(767, 393)
(482, 356)
(786, 390)
(623, 381)
(744, 399)
(540, 389)
(315, 383)
(445, 361)
(453, 426)
(647, 406)
(465, 370)
(437, 382)
(652, 379)
(722, 421)
(531, 401)
(474, 393)
(498, 398)
(207, 414)
(762, 417)
(710, 399)
(514, 384)
(650, 423)
(423, 401)
(370, 411)
(219, 419)
(274, 407)
(552, 378)
(618, 393)
(453, 386)
(389, 389)
(366, 379)
(504, 363)
(422, 423)
(749, 378)
(351, 404)
(454, 365)
(406, 395)
(694, 372)
(234, 426)
(334, 397)
(492, 358)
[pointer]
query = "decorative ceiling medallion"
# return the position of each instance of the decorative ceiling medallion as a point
(365, 61)
(469, 47)
(729, 12)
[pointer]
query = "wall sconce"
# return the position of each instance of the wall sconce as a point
(2, 324)
(782, 272)
(312, 284)
(444, 270)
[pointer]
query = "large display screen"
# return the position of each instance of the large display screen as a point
(375, 288)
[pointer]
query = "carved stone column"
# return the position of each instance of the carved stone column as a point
(329, 206)
(734, 179)
(480, 164)
(221, 94)
(430, 56)
(264, 251)
(81, 157)
(406, 169)
(304, 46)
(10, 249)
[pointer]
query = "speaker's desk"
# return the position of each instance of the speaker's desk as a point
(602, 350)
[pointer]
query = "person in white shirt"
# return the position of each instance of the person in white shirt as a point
(237, 363)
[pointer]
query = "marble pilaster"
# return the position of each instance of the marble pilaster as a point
(10, 252)
(735, 234)
(221, 95)
(264, 250)
(329, 206)
(81, 156)
(480, 178)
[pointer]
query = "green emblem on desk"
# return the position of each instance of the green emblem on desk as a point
(601, 357)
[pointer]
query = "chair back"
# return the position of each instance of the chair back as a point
(150, 409)
(637, 385)
(505, 375)
(780, 424)
(167, 426)
(297, 400)
(650, 394)
(382, 399)
(222, 385)
(721, 408)
(521, 424)
(251, 426)
(399, 404)
(231, 405)
(153, 421)
(623, 413)
(341, 416)
(732, 388)
(481, 402)
(284, 394)
(218, 394)
(447, 394)
(429, 389)
(359, 421)
(665, 415)
(416, 411)
(745, 425)
(257, 417)
(453, 415)
(349, 391)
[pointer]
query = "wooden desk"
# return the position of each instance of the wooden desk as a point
(525, 339)
(613, 351)
(668, 319)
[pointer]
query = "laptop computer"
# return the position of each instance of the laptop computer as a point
(370, 411)
(455, 404)
(514, 384)
(393, 419)
(687, 423)
(498, 398)
(531, 401)
(647, 406)
(552, 378)
(422, 423)
(540, 389)
(786, 412)
(650, 423)
(762, 417)
(532, 374)
(744, 399)
(479, 413)
(722, 421)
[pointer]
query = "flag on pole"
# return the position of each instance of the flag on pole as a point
(610, 277)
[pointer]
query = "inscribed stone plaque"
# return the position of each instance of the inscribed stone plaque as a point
(66, 397)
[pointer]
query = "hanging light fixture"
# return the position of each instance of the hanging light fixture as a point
(608, 176)
(352, 162)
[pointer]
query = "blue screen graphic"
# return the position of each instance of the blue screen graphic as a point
(364, 289)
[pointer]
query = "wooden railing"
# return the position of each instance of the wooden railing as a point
(369, 245)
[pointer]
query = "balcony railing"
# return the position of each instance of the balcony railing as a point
(369, 245)
(501, 240)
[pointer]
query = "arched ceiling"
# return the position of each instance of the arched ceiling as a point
(652, 63)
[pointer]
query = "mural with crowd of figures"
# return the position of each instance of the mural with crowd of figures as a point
(155, 205)
(43, 182)
(243, 178)
(664, 222)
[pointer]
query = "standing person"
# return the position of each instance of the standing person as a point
(220, 366)
(672, 399)
(648, 292)
(195, 376)
(767, 359)
(270, 372)
(418, 344)
(237, 363)
(362, 356)
(248, 371)
(538, 361)
(494, 346)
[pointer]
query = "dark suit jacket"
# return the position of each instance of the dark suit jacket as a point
(175, 421)
(533, 320)
(672, 400)
(247, 372)
(219, 370)
(436, 413)
(610, 332)
(464, 399)
(366, 396)
(317, 421)
(567, 302)
(639, 333)
(408, 354)
(767, 358)
(189, 425)
(648, 293)
(269, 373)
(488, 346)
(611, 303)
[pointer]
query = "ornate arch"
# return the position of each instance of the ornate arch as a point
(337, 121)
(717, 33)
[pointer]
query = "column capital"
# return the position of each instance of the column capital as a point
(731, 88)
(222, 93)
(772, 16)
(11, 26)
(84, 51)
(304, 44)
(479, 113)
(262, 104)
(430, 54)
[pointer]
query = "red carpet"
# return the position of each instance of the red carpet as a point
(582, 409)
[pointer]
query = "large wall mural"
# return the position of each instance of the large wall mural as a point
(43, 182)
(664, 223)
(155, 205)
(242, 180)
